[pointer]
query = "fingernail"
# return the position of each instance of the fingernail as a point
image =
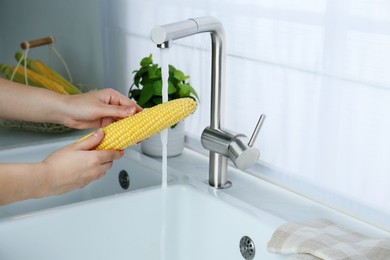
(96, 134)
(130, 110)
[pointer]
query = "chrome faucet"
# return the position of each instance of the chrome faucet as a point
(221, 143)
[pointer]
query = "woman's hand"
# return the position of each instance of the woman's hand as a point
(73, 166)
(77, 164)
(67, 169)
(97, 109)
(82, 111)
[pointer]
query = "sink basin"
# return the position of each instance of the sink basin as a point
(187, 221)
(198, 223)
(140, 170)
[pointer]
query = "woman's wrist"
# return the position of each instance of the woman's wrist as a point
(40, 177)
(60, 111)
(21, 181)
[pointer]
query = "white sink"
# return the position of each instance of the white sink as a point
(141, 170)
(198, 225)
(187, 221)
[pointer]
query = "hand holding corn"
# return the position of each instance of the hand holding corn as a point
(56, 174)
(136, 128)
(96, 109)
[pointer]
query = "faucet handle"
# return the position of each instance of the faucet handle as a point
(242, 152)
(257, 130)
(235, 146)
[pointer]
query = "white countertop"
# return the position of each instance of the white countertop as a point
(10, 138)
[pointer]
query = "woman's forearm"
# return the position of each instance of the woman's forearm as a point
(20, 102)
(20, 181)
(67, 169)
(82, 111)
(59, 173)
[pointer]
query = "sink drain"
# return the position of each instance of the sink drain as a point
(124, 179)
(247, 248)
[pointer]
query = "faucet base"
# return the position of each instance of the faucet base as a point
(218, 171)
(228, 184)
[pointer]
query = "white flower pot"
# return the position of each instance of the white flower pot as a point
(153, 147)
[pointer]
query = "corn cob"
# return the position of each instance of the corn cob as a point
(150, 121)
(42, 81)
(54, 76)
(41, 68)
(7, 71)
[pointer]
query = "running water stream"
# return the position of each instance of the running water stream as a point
(164, 52)
(164, 134)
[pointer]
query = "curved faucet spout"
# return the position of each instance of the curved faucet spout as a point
(174, 31)
(163, 36)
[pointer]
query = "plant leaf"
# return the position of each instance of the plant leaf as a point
(146, 89)
(154, 72)
(146, 61)
(171, 88)
(193, 92)
(157, 86)
(146, 94)
(136, 80)
(184, 90)
(179, 75)
(157, 100)
(134, 94)
(141, 73)
(171, 68)
(148, 104)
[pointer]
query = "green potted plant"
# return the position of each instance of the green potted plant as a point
(146, 90)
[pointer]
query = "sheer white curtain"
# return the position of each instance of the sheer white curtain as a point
(318, 69)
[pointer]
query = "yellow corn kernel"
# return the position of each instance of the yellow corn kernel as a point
(46, 71)
(148, 122)
(41, 80)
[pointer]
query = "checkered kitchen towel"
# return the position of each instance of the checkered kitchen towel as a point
(323, 239)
